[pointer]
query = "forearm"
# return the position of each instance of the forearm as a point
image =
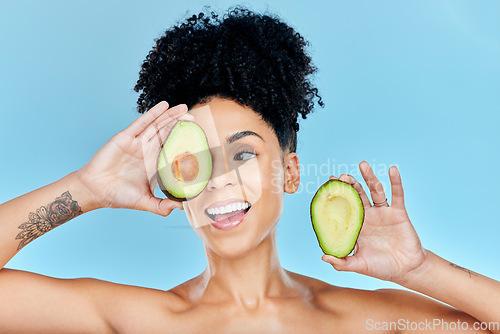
(474, 294)
(29, 216)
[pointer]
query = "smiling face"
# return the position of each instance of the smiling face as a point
(244, 199)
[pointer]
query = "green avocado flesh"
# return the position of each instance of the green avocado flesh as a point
(185, 162)
(337, 216)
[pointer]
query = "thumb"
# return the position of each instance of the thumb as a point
(162, 207)
(348, 263)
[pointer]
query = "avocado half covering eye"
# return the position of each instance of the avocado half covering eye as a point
(337, 215)
(184, 162)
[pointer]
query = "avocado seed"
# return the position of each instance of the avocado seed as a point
(185, 167)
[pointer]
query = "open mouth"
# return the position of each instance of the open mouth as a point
(229, 216)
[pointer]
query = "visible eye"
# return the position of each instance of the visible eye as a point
(244, 155)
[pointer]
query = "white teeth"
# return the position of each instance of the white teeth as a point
(228, 208)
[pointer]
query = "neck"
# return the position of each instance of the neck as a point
(248, 280)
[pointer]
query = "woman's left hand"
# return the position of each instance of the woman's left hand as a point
(388, 247)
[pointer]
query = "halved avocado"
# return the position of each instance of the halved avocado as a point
(184, 162)
(337, 215)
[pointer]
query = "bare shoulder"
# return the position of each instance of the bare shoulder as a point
(68, 305)
(129, 308)
(380, 303)
(386, 305)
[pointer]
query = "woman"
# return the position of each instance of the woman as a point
(245, 79)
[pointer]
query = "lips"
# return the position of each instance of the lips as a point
(223, 216)
(227, 220)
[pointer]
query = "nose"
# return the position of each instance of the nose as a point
(223, 172)
(219, 182)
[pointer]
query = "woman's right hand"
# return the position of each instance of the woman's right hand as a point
(121, 174)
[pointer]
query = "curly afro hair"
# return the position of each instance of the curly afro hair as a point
(253, 59)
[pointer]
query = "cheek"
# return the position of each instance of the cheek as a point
(251, 181)
(260, 178)
(273, 178)
(271, 186)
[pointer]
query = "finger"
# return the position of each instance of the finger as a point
(164, 128)
(362, 193)
(161, 133)
(345, 178)
(348, 263)
(158, 114)
(376, 189)
(154, 136)
(167, 120)
(153, 181)
(151, 149)
(396, 188)
(145, 119)
(186, 117)
(162, 207)
(359, 188)
(150, 152)
(355, 250)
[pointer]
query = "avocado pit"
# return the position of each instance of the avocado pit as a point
(185, 167)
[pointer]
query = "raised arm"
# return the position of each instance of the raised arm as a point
(119, 175)
(388, 248)
(29, 216)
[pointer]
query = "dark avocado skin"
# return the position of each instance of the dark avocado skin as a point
(169, 195)
(157, 176)
(172, 197)
(310, 214)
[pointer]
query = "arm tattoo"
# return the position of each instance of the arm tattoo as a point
(48, 217)
(463, 269)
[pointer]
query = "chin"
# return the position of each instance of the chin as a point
(239, 244)
(231, 243)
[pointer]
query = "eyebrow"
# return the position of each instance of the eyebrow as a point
(240, 134)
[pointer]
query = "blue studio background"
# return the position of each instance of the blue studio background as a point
(415, 84)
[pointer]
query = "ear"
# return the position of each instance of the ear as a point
(292, 173)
